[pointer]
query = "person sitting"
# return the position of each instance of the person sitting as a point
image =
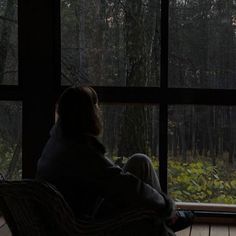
(74, 161)
(141, 166)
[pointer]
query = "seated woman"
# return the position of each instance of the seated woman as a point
(74, 161)
(141, 166)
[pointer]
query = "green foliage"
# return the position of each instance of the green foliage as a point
(6, 153)
(201, 182)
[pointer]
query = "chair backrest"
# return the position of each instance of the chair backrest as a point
(35, 208)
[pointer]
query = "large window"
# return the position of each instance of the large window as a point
(202, 41)
(8, 42)
(201, 150)
(10, 139)
(110, 43)
(166, 73)
(10, 102)
(129, 129)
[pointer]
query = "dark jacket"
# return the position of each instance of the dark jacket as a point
(84, 176)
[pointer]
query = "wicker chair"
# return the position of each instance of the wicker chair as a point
(33, 208)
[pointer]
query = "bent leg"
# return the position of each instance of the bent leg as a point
(141, 166)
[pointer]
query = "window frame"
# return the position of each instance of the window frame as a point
(39, 82)
(39, 75)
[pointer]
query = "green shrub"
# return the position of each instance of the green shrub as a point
(199, 181)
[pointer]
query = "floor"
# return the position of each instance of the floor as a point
(194, 230)
(208, 230)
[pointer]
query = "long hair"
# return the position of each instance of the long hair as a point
(78, 112)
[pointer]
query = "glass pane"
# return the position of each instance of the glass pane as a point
(110, 43)
(10, 139)
(202, 43)
(202, 153)
(130, 129)
(8, 42)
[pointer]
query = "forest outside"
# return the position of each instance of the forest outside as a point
(8, 42)
(202, 154)
(117, 43)
(201, 151)
(10, 111)
(200, 181)
(11, 140)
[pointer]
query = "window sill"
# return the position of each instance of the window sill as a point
(210, 212)
(213, 207)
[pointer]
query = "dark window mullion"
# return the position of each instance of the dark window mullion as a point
(164, 87)
(163, 151)
(200, 96)
(39, 74)
(154, 95)
(10, 93)
(146, 95)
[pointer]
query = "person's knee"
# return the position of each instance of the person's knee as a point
(141, 157)
(137, 162)
(141, 166)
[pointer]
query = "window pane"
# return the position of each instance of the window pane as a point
(202, 43)
(110, 43)
(130, 129)
(10, 139)
(8, 42)
(202, 153)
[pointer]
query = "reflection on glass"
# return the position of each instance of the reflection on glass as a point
(202, 42)
(10, 139)
(130, 129)
(110, 43)
(202, 153)
(8, 42)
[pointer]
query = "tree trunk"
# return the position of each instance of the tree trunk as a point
(134, 131)
(5, 36)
